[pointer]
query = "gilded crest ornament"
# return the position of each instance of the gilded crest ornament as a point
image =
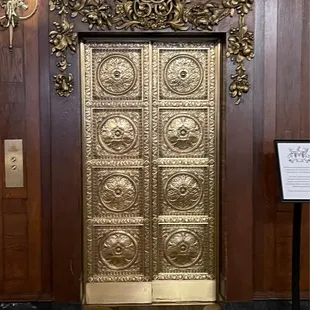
(155, 15)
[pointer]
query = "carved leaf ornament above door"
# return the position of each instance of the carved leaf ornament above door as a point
(178, 15)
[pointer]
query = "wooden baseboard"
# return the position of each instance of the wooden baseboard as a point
(25, 298)
(279, 295)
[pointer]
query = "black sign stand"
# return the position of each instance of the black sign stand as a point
(296, 256)
(294, 151)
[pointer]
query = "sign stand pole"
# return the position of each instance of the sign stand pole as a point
(296, 257)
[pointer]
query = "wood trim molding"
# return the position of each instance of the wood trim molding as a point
(304, 295)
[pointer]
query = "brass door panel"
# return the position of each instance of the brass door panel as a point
(150, 123)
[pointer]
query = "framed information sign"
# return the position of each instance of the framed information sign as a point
(294, 169)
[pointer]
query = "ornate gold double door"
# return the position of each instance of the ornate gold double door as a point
(150, 127)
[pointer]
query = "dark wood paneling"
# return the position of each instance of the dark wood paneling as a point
(285, 115)
(20, 209)
(258, 139)
(13, 69)
(66, 156)
(33, 176)
(45, 129)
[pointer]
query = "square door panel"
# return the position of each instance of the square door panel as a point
(116, 254)
(118, 192)
(183, 133)
(183, 191)
(117, 74)
(182, 74)
(183, 252)
(117, 133)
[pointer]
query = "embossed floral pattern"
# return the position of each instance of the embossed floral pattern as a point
(178, 15)
(183, 133)
(118, 250)
(183, 248)
(183, 74)
(240, 84)
(63, 38)
(97, 13)
(117, 192)
(183, 191)
(150, 14)
(117, 75)
(117, 134)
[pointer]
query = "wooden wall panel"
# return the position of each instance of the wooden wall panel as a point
(66, 159)
(45, 141)
(20, 209)
(285, 115)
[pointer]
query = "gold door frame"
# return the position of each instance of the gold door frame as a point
(131, 287)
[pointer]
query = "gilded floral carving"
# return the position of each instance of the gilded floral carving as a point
(96, 13)
(151, 14)
(63, 84)
(240, 47)
(178, 15)
(63, 38)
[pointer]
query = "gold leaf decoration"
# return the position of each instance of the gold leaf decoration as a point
(95, 13)
(151, 14)
(178, 15)
(64, 84)
(240, 83)
(206, 16)
(240, 48)
(63, 38)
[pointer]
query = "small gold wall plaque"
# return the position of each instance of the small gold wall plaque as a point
(14, 168)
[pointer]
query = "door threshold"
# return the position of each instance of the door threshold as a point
(195, 306)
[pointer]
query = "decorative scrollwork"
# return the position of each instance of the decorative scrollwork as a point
(178, 15)
(12, 15)
(240, 47)
(151, 14)
(96, 13)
